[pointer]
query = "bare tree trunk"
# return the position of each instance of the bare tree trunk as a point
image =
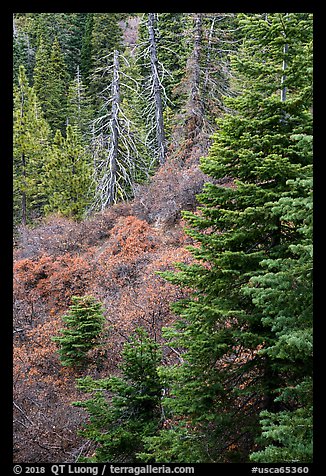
(15, 32)
(195, 107)
(209, 49)
(284, 65)
(113, 144)
(23, 162)
(196, 59)
(24, 200)
(160, 134)
(78, 91)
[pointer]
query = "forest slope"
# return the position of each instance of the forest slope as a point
(114, 256)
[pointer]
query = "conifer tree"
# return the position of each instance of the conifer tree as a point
(41, 72)
(242, 351)
(171, 53)
(57, 86)
(106, 37)
(30, 149)
(124, 410)
(44, 27)
(84, 325)
(67, 179)
(23, 50)
(67, 28)
(86, 47)
(79, 109)
(51, 83)
(284, 295)
(119, 152)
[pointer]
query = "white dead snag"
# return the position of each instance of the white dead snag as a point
(115, 143)
(157, 87)
(194, 106)
(113, 152)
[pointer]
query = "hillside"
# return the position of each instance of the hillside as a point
(114, 256)
(162, 212)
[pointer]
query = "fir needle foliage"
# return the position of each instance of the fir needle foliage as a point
(124, 410)
(84, 325)
(246, 331)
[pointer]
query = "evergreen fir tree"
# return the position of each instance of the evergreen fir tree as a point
(67, 28)
(237, 358)
(171, 53)
(84, 325)
(124, 410)
(284, 296)
(44, 27)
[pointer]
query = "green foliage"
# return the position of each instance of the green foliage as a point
(124, 410)
(41, 71)
(23, 53)
(106, 37)
(171, 53)
(284, 296)
(86, 47)
(67, 181)
(51, 83)
(84, 326)
(79, 109)
(67, 28)
(30, 149)
(245, 333)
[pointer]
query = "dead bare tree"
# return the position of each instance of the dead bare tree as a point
(115, 144)
(157, 87)
(154, 96)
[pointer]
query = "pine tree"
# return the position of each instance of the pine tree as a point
(237, 360)
(84, 325)
(41, 72)
(124, 410)
(30, 149)
(57, 86)
(67, 179)
(51, 84)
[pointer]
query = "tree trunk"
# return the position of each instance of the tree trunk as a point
(284, 65)
(113, 144)
(24, 201)
(195, 107)
(160, 134)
